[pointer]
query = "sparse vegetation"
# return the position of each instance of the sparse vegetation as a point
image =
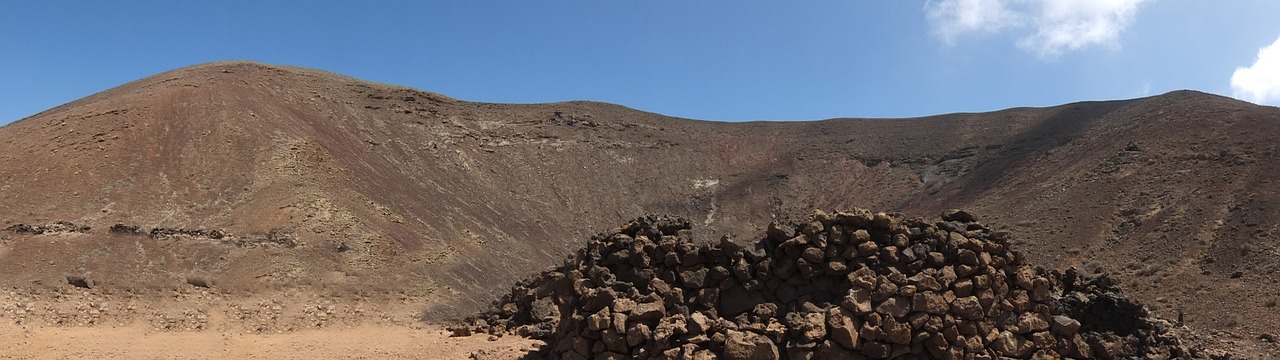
(1149, 270)
(1232, 320)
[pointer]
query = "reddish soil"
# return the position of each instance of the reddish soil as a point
(274, 181)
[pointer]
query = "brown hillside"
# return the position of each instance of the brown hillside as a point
(272, 177)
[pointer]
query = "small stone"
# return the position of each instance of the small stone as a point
(813, 255)
(1011, 345)
(600, 320)
(698, 323)
(896, 332)
(1024, 277)
(1107, 346)
(648, 311)
(894, 307)
(889, 254)
(1043, 340)
(544, 309)
(765, 310)
(929, 302)
(1064, 325)
(907, 292)
(670, 326)
(967, 257)
(946, 276)
(937, 346)
(740, 345)
(780, 232)
(981, 282)
(619, 323)
(867, 248)
(836, 268)
(638, 334)
(860, 236)
(884, 221)
(967, 308)
(1046, 355)
(1078, 348)
(609, 355)
(884, 290)
(831, 350)
(623, 305)
(958, 215)
(809, 327)
(1031, 322)
(801, 351)
(695, 279)
(963, 287)
(936, 258)
(199, 281)
(863, 278)
(844, 328)
(858, 301)
(876, 350)
(78, 281)
(737, 300)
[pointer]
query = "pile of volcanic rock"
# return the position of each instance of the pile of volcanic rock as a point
(848, 285)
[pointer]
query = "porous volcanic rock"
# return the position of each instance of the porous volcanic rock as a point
(845, 285)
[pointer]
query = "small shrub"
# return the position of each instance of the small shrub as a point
(1149, 270)
(1233, 320)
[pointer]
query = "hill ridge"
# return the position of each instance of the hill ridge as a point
(190, 73)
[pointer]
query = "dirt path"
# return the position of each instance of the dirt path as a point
(363, 342)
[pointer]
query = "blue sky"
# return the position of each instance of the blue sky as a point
(715, 60)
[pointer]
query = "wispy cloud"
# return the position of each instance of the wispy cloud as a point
(1051, 27)
(1260, 82)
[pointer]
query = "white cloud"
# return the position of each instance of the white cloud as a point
(952, 18)
(1260, 82)
(1069, 25)
(1053, 27)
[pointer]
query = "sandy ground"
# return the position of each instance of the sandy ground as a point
(192, 323)
(364, 342)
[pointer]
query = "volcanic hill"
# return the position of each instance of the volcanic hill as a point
(253, 177)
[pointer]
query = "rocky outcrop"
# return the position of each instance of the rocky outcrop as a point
(57, 227)
(844, 285)
(275, 237)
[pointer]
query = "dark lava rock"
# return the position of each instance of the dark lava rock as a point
(904, 289)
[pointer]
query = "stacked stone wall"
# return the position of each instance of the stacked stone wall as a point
(848, 285)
